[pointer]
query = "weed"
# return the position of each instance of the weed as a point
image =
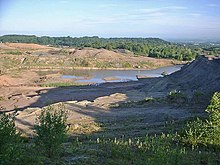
(176, 97)
(152, 149)
(2, 98)
(126, 65)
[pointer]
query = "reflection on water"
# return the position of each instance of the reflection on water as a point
(101, 76)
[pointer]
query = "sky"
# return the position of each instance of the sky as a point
(167, 19)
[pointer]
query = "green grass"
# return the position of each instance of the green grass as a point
(2, 98)
(151, 150)
(14, 52)
(60, 84)
(177, 97)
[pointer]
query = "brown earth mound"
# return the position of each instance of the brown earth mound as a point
(103, 55)
(7, 81)
(26, 78)
(4, 46)
(97, 53)
(25, 46)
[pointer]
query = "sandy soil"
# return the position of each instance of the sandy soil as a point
(91, 105)
(22, 46)
(21, 55)
(87, 106)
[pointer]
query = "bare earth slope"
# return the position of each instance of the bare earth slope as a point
(22, 55)
(203, 74)
(89, 105)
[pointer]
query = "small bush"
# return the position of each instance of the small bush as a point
(2, 98)
(194, 134)
(51, 130)
(10, 149)
(126, 65)
(176, 97)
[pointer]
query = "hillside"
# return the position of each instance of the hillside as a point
(202, 75)
(29, 55)
(152, 47)
(119, 116)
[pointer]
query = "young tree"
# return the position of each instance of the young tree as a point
(51, 130)
(10, 140)
(213, 124)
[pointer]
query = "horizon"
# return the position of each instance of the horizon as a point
(168, 20)
(178, 40)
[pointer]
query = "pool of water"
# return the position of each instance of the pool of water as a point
(101, 76)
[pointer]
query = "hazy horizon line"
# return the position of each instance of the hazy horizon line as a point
(204, 39)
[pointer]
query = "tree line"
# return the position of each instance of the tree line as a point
(152, 47)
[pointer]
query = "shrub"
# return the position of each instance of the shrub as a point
(213, 123)
(10, 149)
(194, 134)
(176, 97)
(126, 65)
(51, 130)
(84, 63)
(1, 98)
(207, 132)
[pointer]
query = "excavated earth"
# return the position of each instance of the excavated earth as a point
(92, 109)
(202, 74)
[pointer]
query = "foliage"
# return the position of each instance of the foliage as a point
(126, 65)
(59, 84)
(213, 122)
(152, 150)
(1, 98)
(153, 47)
(194, 133)
(176, 97)
(205, 133)
(14, 52)
(51, 130)
(214, 109)
(10, 150)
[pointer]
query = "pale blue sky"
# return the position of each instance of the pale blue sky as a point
(173, 19)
